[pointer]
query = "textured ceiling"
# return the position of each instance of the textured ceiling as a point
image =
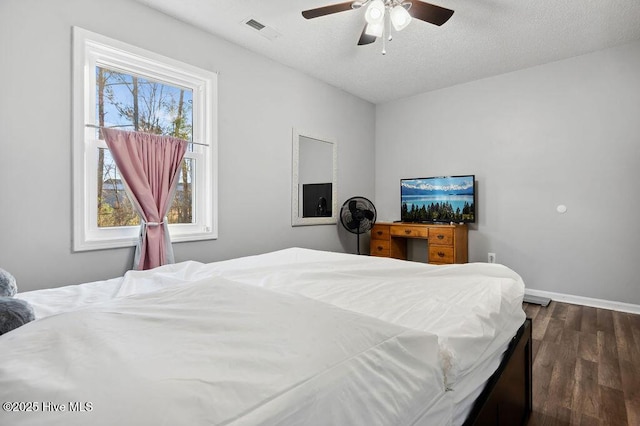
(482, 38)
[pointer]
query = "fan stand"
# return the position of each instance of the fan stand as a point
(358, 235)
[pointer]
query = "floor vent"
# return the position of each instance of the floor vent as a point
(537, 300)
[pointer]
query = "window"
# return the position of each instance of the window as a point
(121, 86)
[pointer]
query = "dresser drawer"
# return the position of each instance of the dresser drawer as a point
(440, 254)
(380, 248)
(380, 232)
(441, 236)
(409, 231)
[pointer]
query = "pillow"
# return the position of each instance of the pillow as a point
(14, 313)
(8, 287)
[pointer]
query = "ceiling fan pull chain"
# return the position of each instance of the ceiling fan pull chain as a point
(388, 18)
(385, 31)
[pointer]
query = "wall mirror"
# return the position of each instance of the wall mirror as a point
(314, 180)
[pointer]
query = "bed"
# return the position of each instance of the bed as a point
(295, 336)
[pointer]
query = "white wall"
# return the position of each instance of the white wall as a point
(562, 133)
(566, 132)
(260, 102)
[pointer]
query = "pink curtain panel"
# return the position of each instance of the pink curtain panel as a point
(149, 165)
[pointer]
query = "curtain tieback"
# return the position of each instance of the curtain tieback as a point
(153, 223)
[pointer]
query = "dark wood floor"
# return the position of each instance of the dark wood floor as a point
(586, 366)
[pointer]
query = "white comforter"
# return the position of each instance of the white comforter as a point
(214, 351)
(473, 309)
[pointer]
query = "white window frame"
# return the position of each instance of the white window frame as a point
(91, 50)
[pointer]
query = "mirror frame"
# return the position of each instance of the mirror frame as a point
(296, 217)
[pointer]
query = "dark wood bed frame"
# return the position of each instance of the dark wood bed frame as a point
(507, 397)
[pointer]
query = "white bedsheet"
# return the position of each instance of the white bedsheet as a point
(53, 301)
(473, 308)
(219, 352)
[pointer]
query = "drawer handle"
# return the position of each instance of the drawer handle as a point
(379, 232)
(440, 254)
(440, 237)
(380, 248)
(407, 231)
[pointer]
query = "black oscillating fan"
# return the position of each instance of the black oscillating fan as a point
(358, 216)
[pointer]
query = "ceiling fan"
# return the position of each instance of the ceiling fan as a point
(382, 14)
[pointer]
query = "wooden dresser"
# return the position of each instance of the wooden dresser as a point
(446, 243)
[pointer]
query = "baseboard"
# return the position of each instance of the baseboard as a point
(586, 301)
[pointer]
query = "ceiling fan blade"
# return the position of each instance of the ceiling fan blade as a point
(430, 13)
(366, 38)
(327, 10)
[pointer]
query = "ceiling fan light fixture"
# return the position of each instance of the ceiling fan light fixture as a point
(375, 12)
(380, 15)
(400, 18)
(375, 30)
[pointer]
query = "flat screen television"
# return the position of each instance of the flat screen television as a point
(438, 199)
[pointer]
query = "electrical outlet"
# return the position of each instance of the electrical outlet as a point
(492, 258)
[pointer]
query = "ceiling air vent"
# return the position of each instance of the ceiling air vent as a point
(267, 32)
(254, 24)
